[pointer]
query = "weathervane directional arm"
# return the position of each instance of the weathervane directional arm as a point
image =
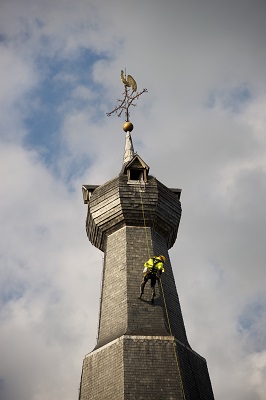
(129, 97)
(130, 102)
(120, 107)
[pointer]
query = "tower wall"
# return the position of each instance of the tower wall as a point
(132, 368)
(103, 373)
(142, 351)
(121, 311)
(120, 202)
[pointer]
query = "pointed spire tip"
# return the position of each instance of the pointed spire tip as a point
(129, 149)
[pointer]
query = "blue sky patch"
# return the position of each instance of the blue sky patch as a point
(233, 100)
(251, 321)
(50, 102)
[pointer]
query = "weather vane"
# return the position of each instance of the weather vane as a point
(130, 95)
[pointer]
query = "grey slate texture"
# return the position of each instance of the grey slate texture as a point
(142, 351)
(117, 203)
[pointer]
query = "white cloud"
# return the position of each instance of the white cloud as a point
(40, 286)
(182, 52)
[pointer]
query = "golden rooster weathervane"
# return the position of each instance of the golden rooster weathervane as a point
(130, 94)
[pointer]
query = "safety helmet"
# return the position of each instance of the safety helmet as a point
(163, 258)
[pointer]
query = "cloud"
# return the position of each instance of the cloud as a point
(201, 127)
(40, 279)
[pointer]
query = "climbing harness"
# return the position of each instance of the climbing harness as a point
(153, 269)
(164, 301)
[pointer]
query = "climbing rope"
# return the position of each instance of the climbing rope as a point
(174, 344)
(165, 306)
(144, 220)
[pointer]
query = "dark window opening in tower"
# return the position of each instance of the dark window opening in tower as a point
(136, 175)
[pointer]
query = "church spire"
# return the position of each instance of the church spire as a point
(129, 149)
(142, 350)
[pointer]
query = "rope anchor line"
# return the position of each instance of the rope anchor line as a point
(164, 301)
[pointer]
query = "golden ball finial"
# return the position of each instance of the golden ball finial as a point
(128, 126)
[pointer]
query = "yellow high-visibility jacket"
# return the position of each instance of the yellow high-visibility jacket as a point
(154, 265)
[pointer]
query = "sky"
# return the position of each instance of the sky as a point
(201, 127)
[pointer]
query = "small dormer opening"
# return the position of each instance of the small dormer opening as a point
(136, 175)
(136, 170)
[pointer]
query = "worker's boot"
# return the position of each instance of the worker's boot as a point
(140, 295)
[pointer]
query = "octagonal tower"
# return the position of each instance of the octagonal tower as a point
(142, 351)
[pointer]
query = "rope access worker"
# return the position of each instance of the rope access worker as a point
(153, 269)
